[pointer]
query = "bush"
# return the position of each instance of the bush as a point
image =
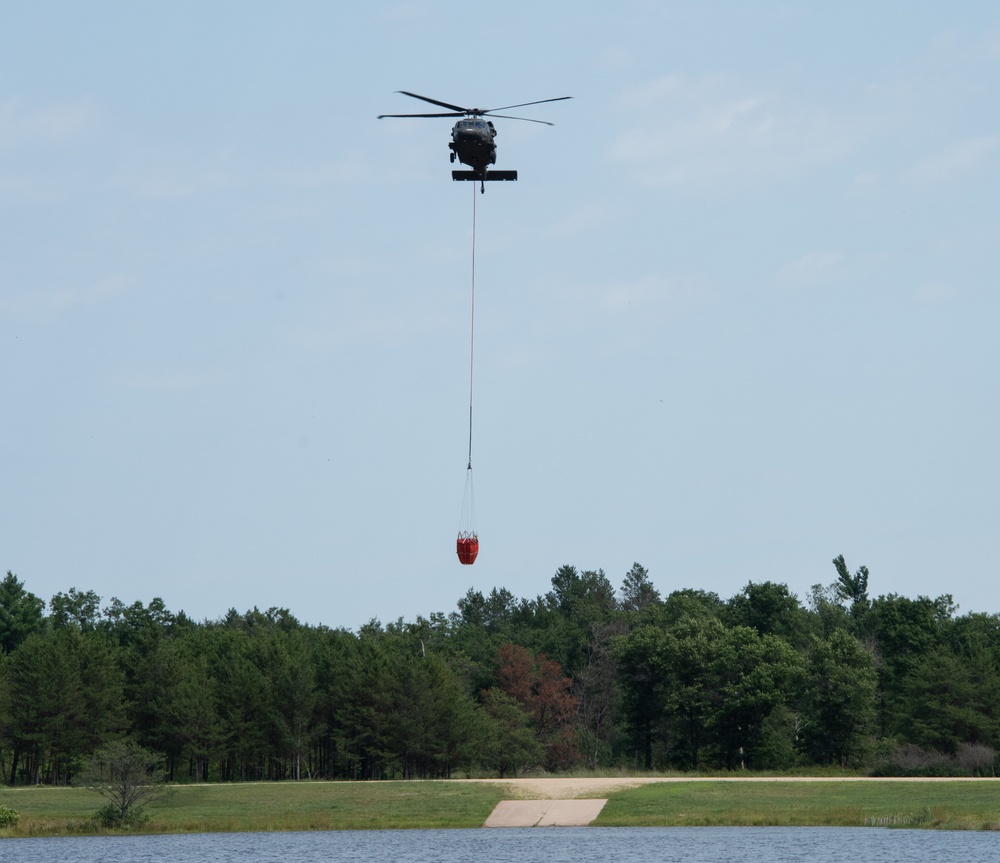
(977, 759)
(9, 817)
(110, 817)
(910, 760)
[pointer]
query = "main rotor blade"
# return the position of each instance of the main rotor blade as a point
(458, 108)
(380, 116)
(508, 107)
(526, 119)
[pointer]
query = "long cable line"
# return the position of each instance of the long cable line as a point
(472, 326)
(468, 537)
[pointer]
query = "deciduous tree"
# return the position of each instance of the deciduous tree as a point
(838, 708)
(127, 775)
(540, 686)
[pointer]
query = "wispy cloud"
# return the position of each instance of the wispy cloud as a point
(404, 12)
(171, 381)
(164, 187)
(158, 175)
(580, 220)
(932, 292)
(810, 269)
(367, 326)
(716, 131)
(353, 169)
(27, 188)
(864, 182)
(623, 316)
(958, 159)
(23, 123)
(666, 295)
(62, 298)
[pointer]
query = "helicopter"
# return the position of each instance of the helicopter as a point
(473, 138)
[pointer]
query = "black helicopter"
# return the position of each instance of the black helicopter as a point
(473, 137)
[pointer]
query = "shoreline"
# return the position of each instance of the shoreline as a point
(964, 803)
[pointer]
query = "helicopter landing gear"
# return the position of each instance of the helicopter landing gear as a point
(482, 188)
(452, 155)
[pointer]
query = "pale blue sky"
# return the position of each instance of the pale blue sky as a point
(738, 315)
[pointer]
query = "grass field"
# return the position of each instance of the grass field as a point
(380, 805)
(267, 806)
(935, 804)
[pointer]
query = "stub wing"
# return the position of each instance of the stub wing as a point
(490, 175)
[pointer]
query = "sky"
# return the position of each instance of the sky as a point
(737, 316)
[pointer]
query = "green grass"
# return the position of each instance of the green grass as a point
(267, 806)
(383, 805)
(941, 804)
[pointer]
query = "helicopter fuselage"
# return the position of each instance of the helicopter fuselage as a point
(472, 143)
(472, 137)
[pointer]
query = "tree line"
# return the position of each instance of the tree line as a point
(585, 674)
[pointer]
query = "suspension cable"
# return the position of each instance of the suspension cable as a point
(468, 538)
(472, 328)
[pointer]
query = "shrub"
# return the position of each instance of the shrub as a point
(977, 759)
(110, 817)
(910, 760)
(9, 817)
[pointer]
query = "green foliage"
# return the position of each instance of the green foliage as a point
(21, 613)
(753, 675)
(110, 818)
(64, 699)
(508, 742)
(8, 817)
(79, 609)
(128, 777)
(599, 692)
(637, 590)
(853, 588)
(944, 705)
(544, 692)
(682, 604)
(502, 684)
(839, 703)
(777, 748)
(642, 678)
(565, 617)
(770, 609)
(826, 605)
(702, 691)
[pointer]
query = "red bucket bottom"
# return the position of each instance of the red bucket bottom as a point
(468, 548)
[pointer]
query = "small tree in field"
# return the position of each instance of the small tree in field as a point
(128, 776)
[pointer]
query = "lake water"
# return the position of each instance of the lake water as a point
(529, 845)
